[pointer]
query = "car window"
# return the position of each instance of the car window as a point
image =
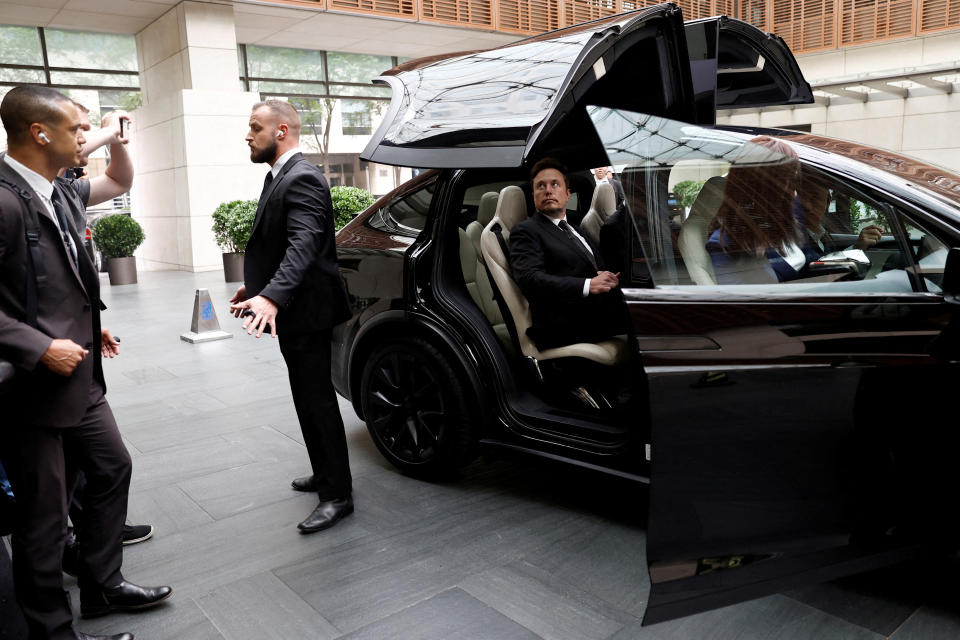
(715, 209)
(406, 215)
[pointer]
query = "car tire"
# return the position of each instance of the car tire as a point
(417, 409)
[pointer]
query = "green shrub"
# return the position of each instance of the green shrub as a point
(232, 224)
(117, 236)
(687, 191)
(348, 201)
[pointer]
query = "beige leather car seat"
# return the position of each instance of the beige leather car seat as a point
(485, 213)
(511, 210)
(480, 289)
(602, 206)
(695, 231)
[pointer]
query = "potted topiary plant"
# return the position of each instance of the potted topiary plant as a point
(118, 236)
(232, 224)
(348, 201)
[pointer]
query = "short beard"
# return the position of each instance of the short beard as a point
(267, 154)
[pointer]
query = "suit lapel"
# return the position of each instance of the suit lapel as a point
(268, 192)
(562, 239)
(44, 215)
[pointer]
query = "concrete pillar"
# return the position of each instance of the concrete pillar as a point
(189, 150)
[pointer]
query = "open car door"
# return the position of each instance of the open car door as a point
(735, 65)
(496, 108)
(780, 448)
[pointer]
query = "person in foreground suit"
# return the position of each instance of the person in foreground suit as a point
(293, 290)
(572, 299)
(62, 418)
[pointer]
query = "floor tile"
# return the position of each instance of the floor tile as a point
(449, 615)
(264, 608)
(551, 609)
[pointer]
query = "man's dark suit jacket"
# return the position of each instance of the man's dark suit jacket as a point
(68, 307)
(550, 271)
(291, 257)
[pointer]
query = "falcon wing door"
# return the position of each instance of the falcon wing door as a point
(735, 65)
(497, 108)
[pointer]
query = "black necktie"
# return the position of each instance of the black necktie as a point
(61, 212)
(267, 179)
(576, 241)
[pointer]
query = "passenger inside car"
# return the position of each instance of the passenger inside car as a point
(756, 236)
(572, 297)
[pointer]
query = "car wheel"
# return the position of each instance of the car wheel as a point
(417, 409)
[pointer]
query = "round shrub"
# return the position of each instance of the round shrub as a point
(232, 224)
(347, 201)
(117, 236)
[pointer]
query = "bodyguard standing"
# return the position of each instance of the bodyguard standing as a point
(50, 330)
(293, 290)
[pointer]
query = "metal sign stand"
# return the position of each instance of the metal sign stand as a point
(204, 327)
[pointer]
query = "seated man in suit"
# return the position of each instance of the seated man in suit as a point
(572, 299)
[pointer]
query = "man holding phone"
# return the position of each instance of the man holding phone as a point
(291, 278)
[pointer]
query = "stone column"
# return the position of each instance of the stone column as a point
(188, 141)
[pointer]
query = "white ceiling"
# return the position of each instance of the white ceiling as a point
(262, 23)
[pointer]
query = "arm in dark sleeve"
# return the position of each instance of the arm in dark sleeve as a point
(527, 264)
(20, 343)
(307, 206)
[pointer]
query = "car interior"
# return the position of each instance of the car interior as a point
(586, 385)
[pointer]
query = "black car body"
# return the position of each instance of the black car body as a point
(786, 427)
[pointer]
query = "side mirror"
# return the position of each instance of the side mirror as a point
(951, 277)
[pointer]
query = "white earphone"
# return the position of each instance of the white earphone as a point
(279, 133)
(43, 137)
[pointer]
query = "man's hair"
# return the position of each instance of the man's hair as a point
(550, 163)
(284, 111)
(27, 104)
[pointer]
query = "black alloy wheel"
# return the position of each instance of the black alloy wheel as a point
(416, 409)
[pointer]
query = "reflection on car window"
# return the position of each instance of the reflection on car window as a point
(716, 209)
(407, 215)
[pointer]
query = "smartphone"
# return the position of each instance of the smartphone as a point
(123, 125)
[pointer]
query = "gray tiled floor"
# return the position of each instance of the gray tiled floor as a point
(514, 549)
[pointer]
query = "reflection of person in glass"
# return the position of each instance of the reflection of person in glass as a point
(813, 198)
(755, 231)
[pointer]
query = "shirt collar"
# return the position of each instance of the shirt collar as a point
(34, 180)
(282, 160)
(555, 221)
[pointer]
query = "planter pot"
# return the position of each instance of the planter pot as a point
(233, 267)
(122, 270)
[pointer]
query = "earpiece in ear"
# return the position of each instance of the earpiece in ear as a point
(279, 133)
(43, 137)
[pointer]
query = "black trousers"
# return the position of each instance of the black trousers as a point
(40, 462)
(308, 366)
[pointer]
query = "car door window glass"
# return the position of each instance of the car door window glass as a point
(407, 215)
(720, 209)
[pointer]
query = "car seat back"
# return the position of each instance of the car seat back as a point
(602, 206)
(485, 213)
(695, 231)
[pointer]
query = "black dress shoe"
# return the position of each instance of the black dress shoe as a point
(326, 515)
(119, 636)
(306, 483)
(123, 597)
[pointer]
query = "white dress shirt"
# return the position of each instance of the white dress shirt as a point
(282, 160)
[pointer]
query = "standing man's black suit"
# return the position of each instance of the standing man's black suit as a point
(550, 269)
(56, 421)
(291, 260)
